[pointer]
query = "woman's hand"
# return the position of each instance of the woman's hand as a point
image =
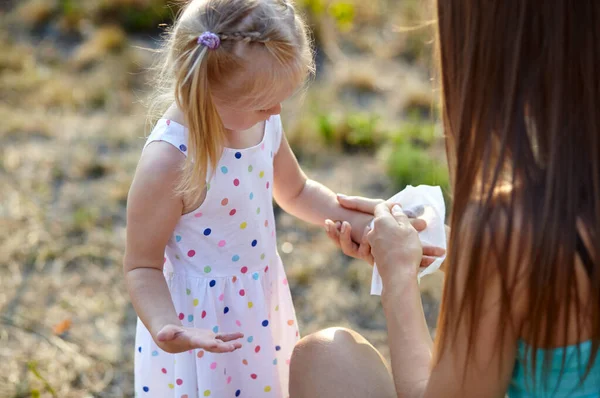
(174, 339)
(341, 232)
(395, 243)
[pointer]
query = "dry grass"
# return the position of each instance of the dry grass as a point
(104, 41)
(36, 12)
(71, 133)
(421, 103)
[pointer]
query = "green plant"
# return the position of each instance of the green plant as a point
(409, 158)
(69, 7)
(351, 131)
(342, 11)
(411, 165)
(72, 13)
(363, 131)
(32, 366)
(84, 218)
(315, 7)
(327, 128)
(416, 131)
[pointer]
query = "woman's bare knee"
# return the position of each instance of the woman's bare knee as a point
(338, 362)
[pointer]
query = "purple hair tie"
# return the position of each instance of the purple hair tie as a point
(209, 40)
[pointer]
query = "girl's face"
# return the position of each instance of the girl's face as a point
(239, 113)
(251, 97)
(240, 118)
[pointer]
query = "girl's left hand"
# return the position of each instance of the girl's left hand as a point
(395, 244)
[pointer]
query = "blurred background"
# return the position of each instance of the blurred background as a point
(73, 80)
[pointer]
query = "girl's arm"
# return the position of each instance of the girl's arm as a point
(152, 213)
(362, 250)
(307, 199)
(488, 371)
(153, 210)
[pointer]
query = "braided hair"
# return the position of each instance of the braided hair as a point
(212, 44)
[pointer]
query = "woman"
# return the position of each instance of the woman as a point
(520, 312)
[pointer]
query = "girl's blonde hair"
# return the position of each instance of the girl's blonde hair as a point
(191, 74)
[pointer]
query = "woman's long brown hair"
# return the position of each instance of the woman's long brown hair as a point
(521, 106)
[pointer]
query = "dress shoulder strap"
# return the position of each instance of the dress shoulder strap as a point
(170, 132)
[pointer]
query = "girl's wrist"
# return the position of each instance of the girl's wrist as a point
(159, 323)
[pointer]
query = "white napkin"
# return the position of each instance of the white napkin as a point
(427, 203)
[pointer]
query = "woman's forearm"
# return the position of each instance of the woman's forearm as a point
(151, 298)
(408, 337)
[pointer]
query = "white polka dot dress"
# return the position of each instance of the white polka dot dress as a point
(224, 274)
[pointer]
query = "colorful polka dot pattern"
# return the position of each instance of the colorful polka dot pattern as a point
(225, 275)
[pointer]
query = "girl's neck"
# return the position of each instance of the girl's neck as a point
(235, 139)
(247, 138)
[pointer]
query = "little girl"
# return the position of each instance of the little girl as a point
(215, 314)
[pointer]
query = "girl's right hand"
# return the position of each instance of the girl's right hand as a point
(174, 339)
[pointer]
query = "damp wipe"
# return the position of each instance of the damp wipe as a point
(427, 203)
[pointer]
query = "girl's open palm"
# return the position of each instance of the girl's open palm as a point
(175, 339)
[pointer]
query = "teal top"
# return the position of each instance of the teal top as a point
(561, 382)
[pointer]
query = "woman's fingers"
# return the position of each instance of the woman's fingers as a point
(358, 203)
(341, 234)
(426, 261)
(348, 246)
(333, 232)
(382, 210)
(433, 251)
(399, 214)
(418, 224)
(394, 242)
(364, 250)
(430, 254)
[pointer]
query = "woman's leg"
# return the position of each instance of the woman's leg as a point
(338, 362)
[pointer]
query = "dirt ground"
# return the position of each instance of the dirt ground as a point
(71, 132)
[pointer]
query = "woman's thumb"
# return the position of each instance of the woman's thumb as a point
(398, 213)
